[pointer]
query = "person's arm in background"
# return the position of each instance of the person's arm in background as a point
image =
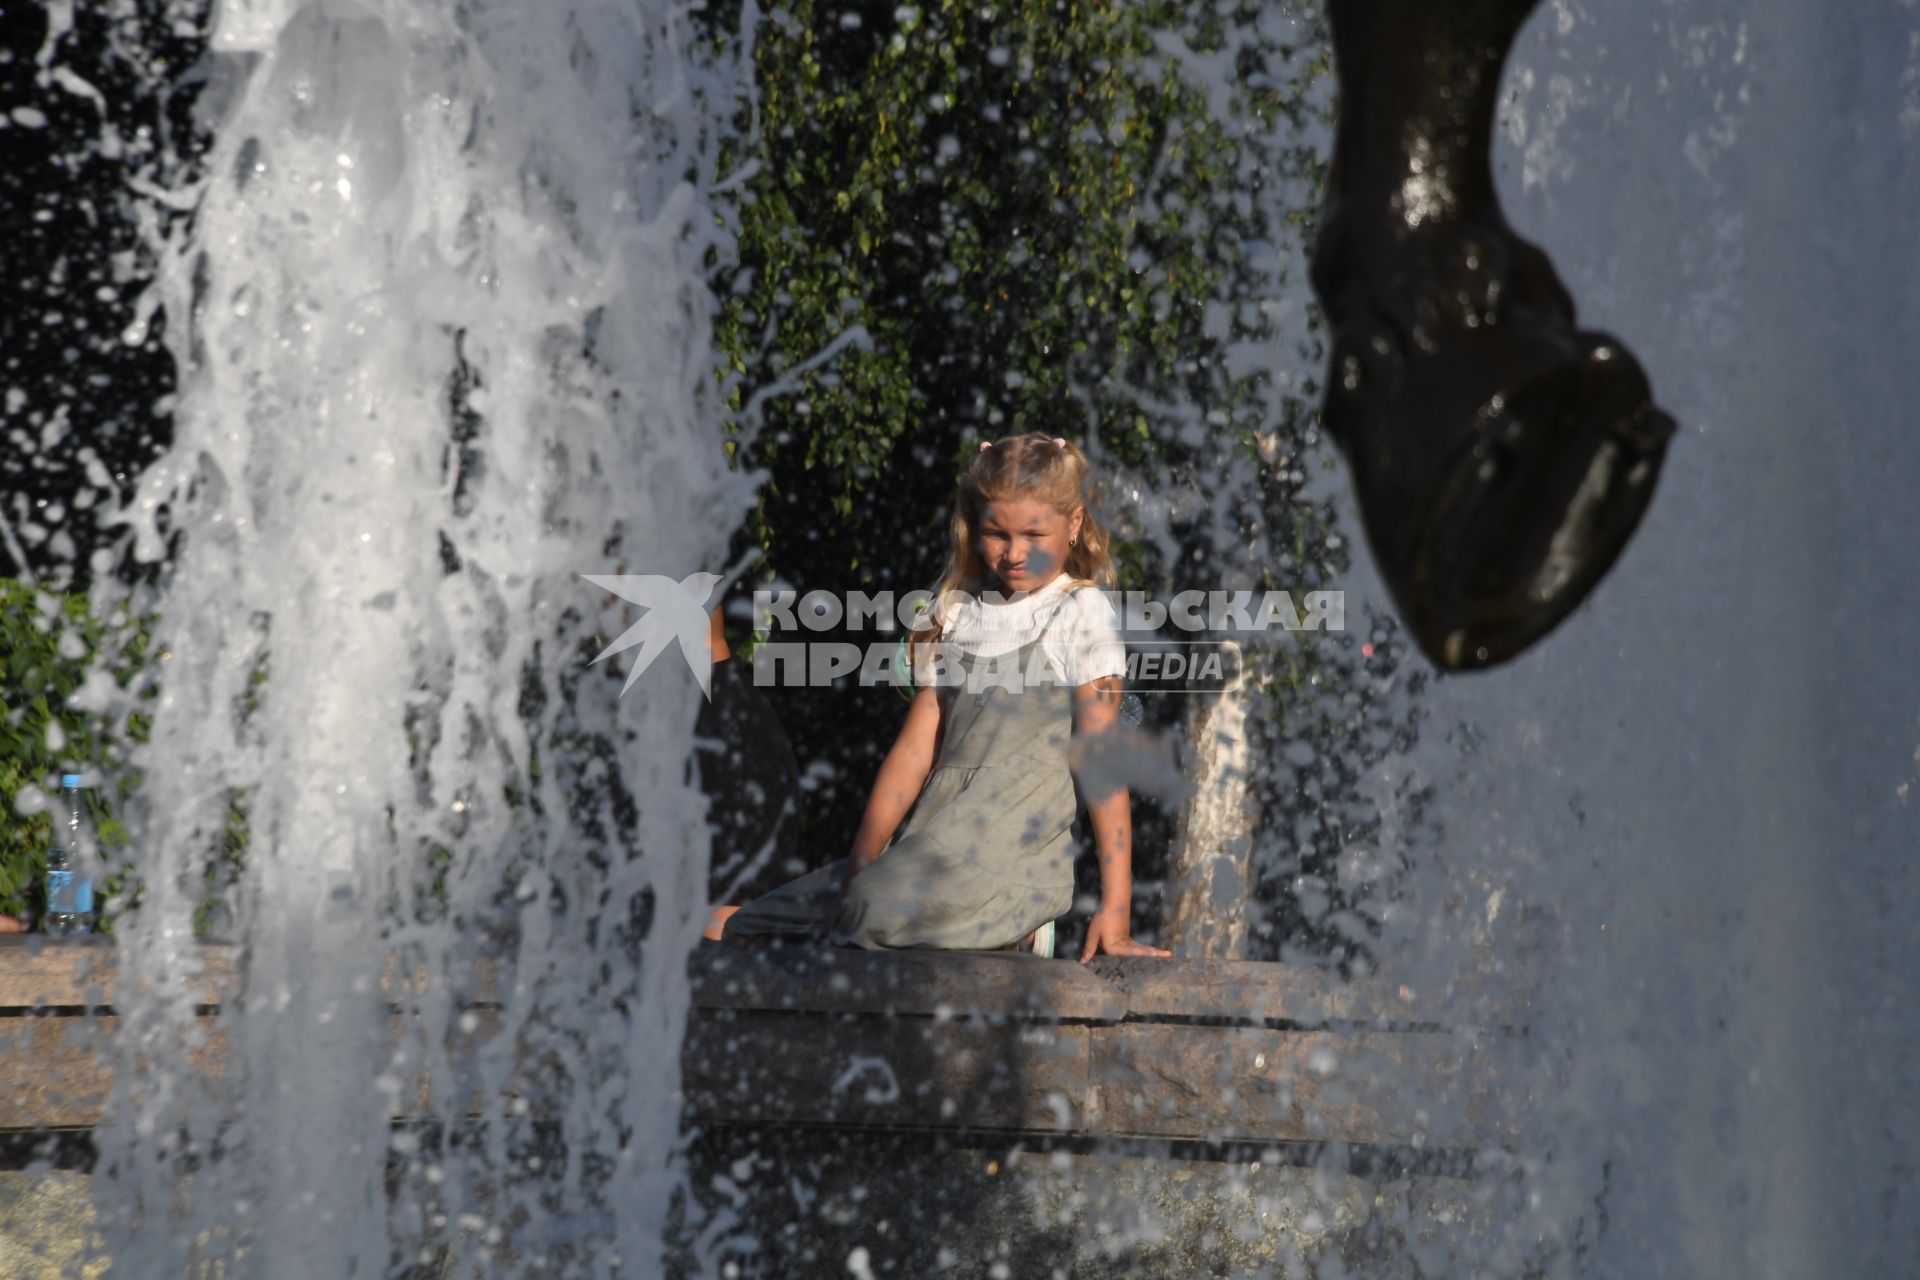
(1096, 711)
(902, 775)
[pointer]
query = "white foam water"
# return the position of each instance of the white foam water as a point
(442, 327)
(1683, 822)
(1702, 779)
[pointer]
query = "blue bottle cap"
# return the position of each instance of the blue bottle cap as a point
(70, 780)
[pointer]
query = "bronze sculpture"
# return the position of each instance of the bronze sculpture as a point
(1501, 457)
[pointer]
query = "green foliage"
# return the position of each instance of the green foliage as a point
(54, 645)
(1035, 220)
(51, 644)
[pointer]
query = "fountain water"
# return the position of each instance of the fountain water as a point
(415, 214)
(497, 213)
(1707, 775)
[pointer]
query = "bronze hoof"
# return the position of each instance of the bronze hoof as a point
(1502, 457)
(1501, 482)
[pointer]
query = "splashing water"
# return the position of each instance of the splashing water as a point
(441, 323)
(442, 326)
(1695, 778)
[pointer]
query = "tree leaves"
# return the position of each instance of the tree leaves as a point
(51, 643)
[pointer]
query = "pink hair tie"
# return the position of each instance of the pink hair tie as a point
(985, 445)
(1059, 442)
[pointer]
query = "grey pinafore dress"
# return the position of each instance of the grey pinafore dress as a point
(987, 853)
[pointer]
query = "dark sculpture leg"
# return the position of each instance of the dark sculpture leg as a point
(1502, 457)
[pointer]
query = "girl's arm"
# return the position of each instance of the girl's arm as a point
(1096, 707)
(901, 776)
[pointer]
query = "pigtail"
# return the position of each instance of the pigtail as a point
(1090, 558)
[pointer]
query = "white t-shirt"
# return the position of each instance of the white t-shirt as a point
(1079, 628)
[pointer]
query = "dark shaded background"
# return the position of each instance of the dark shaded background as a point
(74, 382)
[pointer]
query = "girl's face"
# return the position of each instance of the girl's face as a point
(1024, 543)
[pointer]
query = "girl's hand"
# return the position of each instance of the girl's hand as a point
(1108, 934)
(824, 931)
(830, 922)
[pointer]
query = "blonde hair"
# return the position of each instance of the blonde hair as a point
(1032, 467)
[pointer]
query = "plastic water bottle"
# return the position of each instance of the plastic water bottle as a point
(69, 890)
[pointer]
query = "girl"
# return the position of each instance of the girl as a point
(982, 762)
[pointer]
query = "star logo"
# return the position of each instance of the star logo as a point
(670, 611)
